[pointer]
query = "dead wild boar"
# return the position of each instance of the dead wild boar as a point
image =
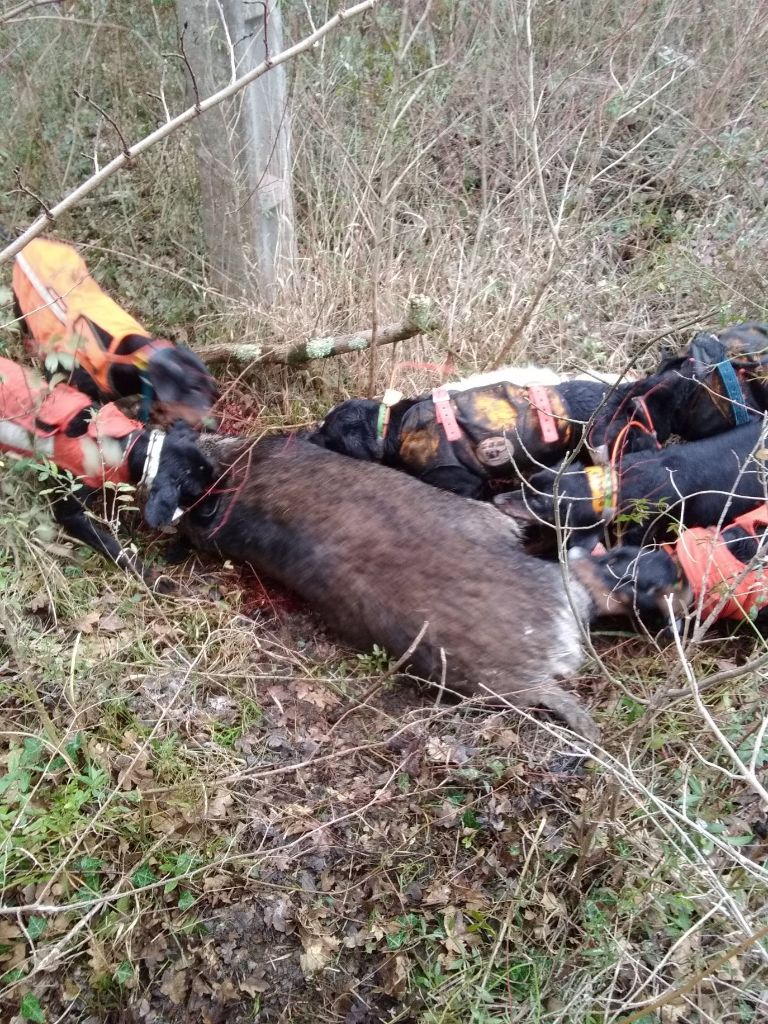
(377, 554)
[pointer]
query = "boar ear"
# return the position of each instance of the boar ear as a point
(512, 503)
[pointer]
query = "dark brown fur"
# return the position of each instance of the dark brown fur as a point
(378, 554)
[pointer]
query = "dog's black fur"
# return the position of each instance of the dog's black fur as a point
(416, 442)
(686, 395)
(378, 554)
(183, 476)
(700, 483)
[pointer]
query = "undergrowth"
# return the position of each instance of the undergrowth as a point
(209, 810)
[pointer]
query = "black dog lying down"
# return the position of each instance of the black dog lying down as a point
(101, 448)
(701, 483)
(719, 382)
(378, 555)
(461, 436)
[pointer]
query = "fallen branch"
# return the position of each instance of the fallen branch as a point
(419, 318)
(131, 152)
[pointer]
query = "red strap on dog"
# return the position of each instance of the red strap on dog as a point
(445, 415)
(757, 517)
(539, 399)
(711, 569)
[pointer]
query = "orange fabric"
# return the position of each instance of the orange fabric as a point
(713, 570)
(26, 401)
(60, 301)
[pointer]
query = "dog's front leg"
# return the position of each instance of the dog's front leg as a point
(71, 514)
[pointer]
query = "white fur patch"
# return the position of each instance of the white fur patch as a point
(529, 376)
(520, 376)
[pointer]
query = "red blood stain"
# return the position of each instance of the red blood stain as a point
(269, 597)
(236, 416)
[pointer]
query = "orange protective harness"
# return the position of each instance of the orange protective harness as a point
(62, 305)
(34, 418)
(713, 571)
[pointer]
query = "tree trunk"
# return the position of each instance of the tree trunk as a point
(243, 145)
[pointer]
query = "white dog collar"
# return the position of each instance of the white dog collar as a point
(152, 460)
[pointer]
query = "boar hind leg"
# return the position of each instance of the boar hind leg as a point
(556, 701)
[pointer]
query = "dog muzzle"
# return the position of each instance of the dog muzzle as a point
(152, 465)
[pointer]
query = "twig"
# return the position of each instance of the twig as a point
(27, 6)
(48, 216)
(371, 692)
(524, 320)
(746, 774)
(183, 56)
(106, 172)
(106, 117)
(673, 995)
(419, 319)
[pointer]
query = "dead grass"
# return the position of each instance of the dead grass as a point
(204, 814)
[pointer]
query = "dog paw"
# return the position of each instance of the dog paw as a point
(158, 583)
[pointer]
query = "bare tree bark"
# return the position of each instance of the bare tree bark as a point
(243, 146)
(419, 319)
(125, 158)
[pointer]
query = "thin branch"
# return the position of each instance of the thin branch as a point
(106, 117)
(27, 6)
(47, 217)
(709, 970)
(177, 122)
(746, 774)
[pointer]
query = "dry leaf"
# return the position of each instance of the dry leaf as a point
(445, 750)
(280, 915)
(318, 951)
(86, 623)
(174, 985)
(438, 895)
(317, 695)
(40, 602)
(253, 985)
(112, 623)
(217, 806)
(393, 976)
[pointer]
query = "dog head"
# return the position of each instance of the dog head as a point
(350, 429)
(631, 580)
(183, 386)
(176, 474)
(568, 489)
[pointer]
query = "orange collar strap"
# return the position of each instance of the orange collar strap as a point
(750, 520)
(603, 485)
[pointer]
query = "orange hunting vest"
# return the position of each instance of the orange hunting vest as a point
(62, 305)
(710, 567)
(34, 418)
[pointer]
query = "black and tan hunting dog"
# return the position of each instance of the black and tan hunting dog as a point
(74, 326)
(719, 382)
(385, 560)
(647, 495)
(463, 436)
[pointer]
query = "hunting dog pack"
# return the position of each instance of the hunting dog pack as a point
(441, 580)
